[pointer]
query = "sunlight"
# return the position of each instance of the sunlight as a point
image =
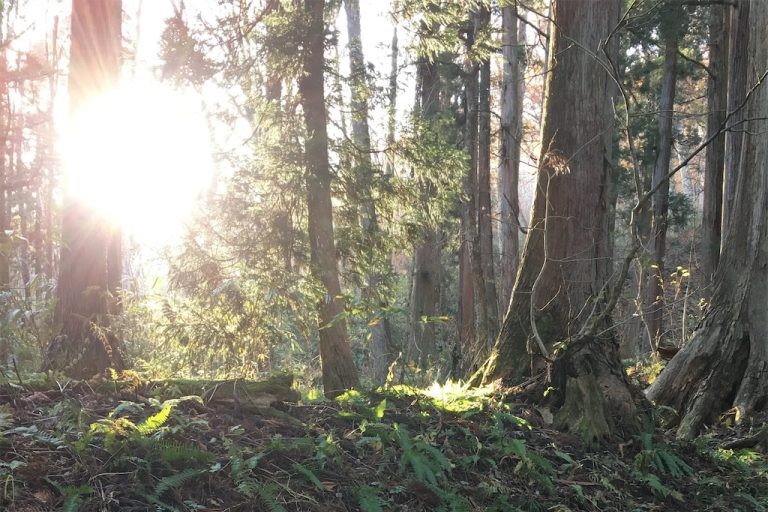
(141, 156)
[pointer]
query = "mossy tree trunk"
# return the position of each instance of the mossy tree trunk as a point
(726, 363)
(566, 259)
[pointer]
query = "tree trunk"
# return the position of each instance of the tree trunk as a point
(85, 346)
(339, 372)
(717, 98)
(472, 300)
(425, 292)
(488, 317)
(726, 363)
(509, 163)
(5, 123)
(654, 300)
(566, 258)
(392, 107)
(383, 350)
(737, 91)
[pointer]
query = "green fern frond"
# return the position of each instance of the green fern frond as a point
(309, 475)
(267, 494)
(181, 452)
(368, 499)
(155, 421)
(174, 481)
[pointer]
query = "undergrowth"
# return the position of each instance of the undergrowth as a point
(442, 449)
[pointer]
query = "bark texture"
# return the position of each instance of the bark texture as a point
(737, 91)
(509, 162)
(717, 98)
(726, 363)
(488, 317)
(566, 259)
(572, 192)
(339, 372)
(85, 346)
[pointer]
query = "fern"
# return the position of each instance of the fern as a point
(174, 481)
(368, 499)
(154, 422)
(309, 475)
(266, 494)
(72, 495)
(427, 462)
(180, 452)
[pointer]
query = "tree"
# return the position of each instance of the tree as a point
(483, 249)
(88, 264)
(382, 346)
(339, 372)
(566, 259)
(724, 365)
(425, 289)
(509, 162)
(654, 302)
(737, 90)
(717, 98)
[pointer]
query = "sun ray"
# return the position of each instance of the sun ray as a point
(141, 156)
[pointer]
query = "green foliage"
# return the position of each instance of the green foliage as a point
(368, 499)
(429, 465)
(662, 460)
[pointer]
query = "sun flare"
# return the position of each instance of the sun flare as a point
(141, 156)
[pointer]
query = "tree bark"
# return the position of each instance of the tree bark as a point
(85, 346)
(509, 163)
(425, 292)
(717, 98)
(654, 300)
(472, 298)
(488, 316)
(339, 372)
(383, 350)
(737, 90)
(392, 106)
(566, 258)
(5, 124)
(726, 363)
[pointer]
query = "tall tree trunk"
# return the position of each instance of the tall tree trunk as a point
(509, 162)
(383, 350)
(566, 258)
(425, 290)
(339, 372)
(726, 363)
(5, 123)
(717, 98)
(654, 312)
(488, 318)
(472, 299)
(392, 107)
(84, 346)
(737, 90)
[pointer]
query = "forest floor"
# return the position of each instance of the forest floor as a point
(125, 445)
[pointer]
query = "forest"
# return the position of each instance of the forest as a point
(370, 255)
